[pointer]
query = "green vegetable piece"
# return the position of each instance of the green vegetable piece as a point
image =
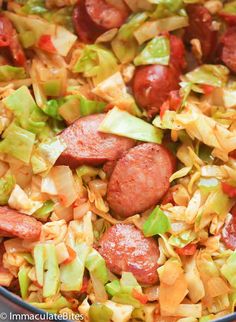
(27, 38)
(207, 318)
(7, 184)
(86, 170)
(128, 282)
(28, 257)
(51, 108)
(124, 124)
(96, 62)
(157, 51)
(24, 281)
(44, 212)
(229, 268)
(72, 273)
(113, 287)
(53, 307)
(230, 8)
(88, 107)
(96, 265)
(18, 143)
(213, 75)
(52, 274)
(157, 223)
(8, 73)
(100, 313)
(124, 45)
(39, 259)
(126, 298)
(52, 87)
(27, 113)
(34, 7)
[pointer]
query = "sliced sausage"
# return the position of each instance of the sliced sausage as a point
(125, 249)
(228, 53)
(85, 28)
(106, 15)
(152, 85)
(9, 40)
(140, 179)
(16, 224)
(229, 231)
(86, 145)
(201, 28)
(177, 53)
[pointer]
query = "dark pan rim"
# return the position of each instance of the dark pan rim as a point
(17, 300)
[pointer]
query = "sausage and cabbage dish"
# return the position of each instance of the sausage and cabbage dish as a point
(118, 157)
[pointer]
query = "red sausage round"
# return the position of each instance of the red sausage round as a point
(228, 52)
(177, 53)
(152, 85)
(106, 15)
(85, 28)
(229, 231)
(16, 224)
(86, 145)
(125, 249)
(140, 179)
(9, 39)
(229, 234)
(200, 27)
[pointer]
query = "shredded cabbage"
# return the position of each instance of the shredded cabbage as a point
(124, 124)
(96, 62)
(157, 51)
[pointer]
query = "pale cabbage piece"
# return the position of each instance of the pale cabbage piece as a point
(193, 207)
(137, 5)
(19, 200)
(187, 320)
(48, 185)
(171, 295)
(150, 29)
(180, 173)
(194, 282)
(55, 232)
(208, 131)
(113, 90)
(192, 310)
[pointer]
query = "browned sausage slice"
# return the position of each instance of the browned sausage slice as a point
(140, 179)
(16, 224)
(125, 249)
(152, 85)
(228, 234)
(106, 15)
(228, 54)
(86, 145)
(201, 28)
(85, 28)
